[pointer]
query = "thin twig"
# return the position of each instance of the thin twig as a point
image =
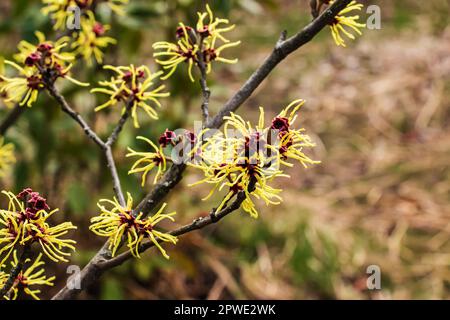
(11, 118)
(283, 48)
(115, 176)
(74, 115)
(279, 53)
(92, 135)
(115, 133)
(90, 271)
(203, 84)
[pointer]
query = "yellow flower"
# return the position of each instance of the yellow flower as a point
(58, 10)
(211, 53)
(175, 53)
(46, 52)
(211, 33)
(3, 277)
(11, 224)
(7, 157)
(341, 21)
(25, 222)
(211, 28)
(22, 90)
(3, 94)
(253, 180)
(148, 161)
(246, 158)
(190, 40)
(119, 223)
(29, 278)
(133, 86)
(49, 237)
(89, 41)
(147, 230)
(291, 141)
(247, 178)
(228, 163)
(44, 58)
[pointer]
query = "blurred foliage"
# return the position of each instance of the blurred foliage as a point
(377, 109)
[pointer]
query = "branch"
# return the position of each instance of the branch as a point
(203, 84)
(118, 129)
(11, 118)
(74, 115)
(109, 156)
(115, 176)
(283, 48)
(281, 51)
(106, 147)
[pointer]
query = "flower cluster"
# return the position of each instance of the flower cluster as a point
(150, 160)
(25, 222)
(247, 158)
(37, 65)
(241, 159)
(7, 157)
(341, 23)
(61, 11)
(32, 275)
(118, 223)
(196, 43)
(135, 87)
(89, 41)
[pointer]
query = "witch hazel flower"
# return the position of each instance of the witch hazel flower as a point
(206, 41)
(118, 223)
(135, 88)
(37, 66)
(26, 222)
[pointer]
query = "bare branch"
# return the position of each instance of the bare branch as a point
(74, 115)
(115, 176)
(171, 178)
(203, 84)
(11, 118)
(281, 51)
(106, 147)
(88, 275)
(118, 129)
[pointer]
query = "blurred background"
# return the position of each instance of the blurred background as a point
(378, 111)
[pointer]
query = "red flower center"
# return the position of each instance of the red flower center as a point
(98, 29)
